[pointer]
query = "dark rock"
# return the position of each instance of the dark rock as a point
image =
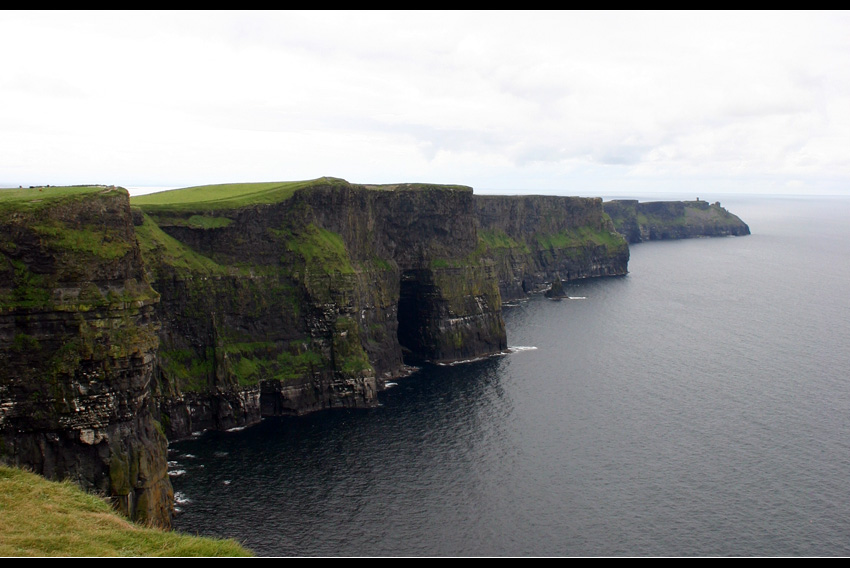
(77, 351)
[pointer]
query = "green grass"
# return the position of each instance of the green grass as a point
(226, 195)
(158, 246)
(38, 197)
(45, 518)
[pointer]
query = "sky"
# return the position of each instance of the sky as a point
(569, 103)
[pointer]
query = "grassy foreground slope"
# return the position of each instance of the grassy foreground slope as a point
(44, 518)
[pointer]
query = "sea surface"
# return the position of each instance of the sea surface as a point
(698, 406)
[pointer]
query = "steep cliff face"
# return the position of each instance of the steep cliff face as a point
(660, 220)
(535, 239)
(314, 300)
(78, 346)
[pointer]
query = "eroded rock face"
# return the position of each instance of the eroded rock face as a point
(78, 348)
(661, 220)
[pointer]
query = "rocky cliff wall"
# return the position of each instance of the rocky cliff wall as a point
(315, 301)
(660, 220)
(537, 239)
(118, 325)
(78, 347)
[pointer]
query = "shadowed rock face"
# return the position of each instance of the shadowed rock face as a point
(78, 349)
(661, 220)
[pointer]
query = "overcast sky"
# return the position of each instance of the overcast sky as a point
(585, 103)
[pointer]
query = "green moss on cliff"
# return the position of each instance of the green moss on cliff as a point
(90, 239)
(580, 237)
(349, 356)
(29, 289)
(321, 250)
(161, 250)
(303, 362)
(190, 371)
(496, 239)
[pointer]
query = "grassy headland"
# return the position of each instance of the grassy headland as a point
(44, 518)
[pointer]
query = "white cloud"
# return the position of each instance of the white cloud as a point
(490, 99)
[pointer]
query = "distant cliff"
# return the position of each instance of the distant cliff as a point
(660, 220)
(535, 239)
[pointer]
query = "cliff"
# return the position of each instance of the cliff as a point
(211, 307)
(290, 298)
(78, 347)
(659, 220)
(537, 239)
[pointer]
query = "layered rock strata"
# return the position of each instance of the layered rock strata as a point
(78, 345)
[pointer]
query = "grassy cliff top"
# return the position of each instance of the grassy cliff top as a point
(47, 196)
(227, 195)
(45, 518)
(235, 195)
(415, 187)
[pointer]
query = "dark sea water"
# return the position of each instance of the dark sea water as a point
(698, 406)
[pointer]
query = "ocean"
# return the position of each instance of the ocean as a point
(699, 406)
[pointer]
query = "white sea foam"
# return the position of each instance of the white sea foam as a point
(236, 429)
(577, 297)
(180, 498)
(177, 472)
(518, 348)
